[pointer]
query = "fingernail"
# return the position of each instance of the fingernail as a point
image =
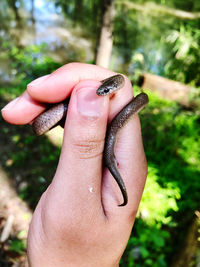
(38, 80)
(89, 104)
(11, 104)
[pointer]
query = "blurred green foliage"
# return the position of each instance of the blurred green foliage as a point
(185, 47)
(28, 63)
(171, 195)
(18, 246)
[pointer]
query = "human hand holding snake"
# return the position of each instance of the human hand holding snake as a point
(77, 219)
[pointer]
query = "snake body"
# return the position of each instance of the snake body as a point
(56, 115)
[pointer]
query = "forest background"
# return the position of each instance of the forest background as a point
(136, 38)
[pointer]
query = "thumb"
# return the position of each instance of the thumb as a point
(77, 182)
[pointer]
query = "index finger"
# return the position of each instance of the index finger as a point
(58, 85)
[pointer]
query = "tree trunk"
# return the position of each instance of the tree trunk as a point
(104, 48)
(14, 7)
(32, 12)
(156, 10)
(170, 89)
(78, 10)
(188, 253)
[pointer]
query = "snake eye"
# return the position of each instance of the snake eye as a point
(106, 90)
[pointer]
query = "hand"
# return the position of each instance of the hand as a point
(77, 221)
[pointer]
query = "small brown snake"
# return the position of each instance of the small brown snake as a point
(57, 113)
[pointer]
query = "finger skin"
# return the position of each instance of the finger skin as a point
(83, 146)
(22, 110)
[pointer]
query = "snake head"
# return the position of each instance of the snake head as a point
(111, 85)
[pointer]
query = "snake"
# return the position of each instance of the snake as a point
(56, 115)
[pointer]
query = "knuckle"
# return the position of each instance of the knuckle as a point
(88, 148)
(71, 65)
